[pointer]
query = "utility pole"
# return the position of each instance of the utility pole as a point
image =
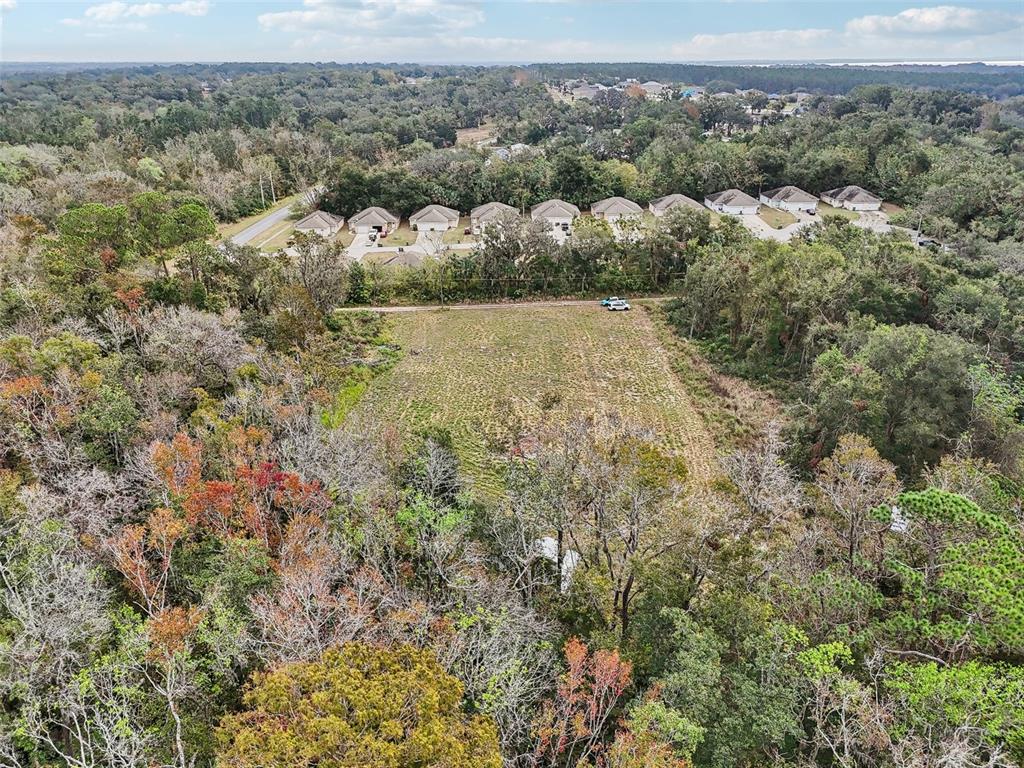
(273, 194)
(263, 199)
(441, 272)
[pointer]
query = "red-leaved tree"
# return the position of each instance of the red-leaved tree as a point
(573, 724)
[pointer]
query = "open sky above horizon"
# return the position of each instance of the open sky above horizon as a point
(464, 31)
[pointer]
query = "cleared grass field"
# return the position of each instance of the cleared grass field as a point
(471, 136)
(476, 372)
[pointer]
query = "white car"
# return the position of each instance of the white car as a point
(618, 305)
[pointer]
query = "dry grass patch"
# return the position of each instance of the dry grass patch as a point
(471, 136)
(484, 374)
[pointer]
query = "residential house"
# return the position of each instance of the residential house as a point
(487, 213)
(733, 202)
(434, 218)
(663, 205)
(853, 198)
(373, 219)
(558, 215)
(321, 223)
(789, 198)
(403, 257)
(613, 209)
(656, 90)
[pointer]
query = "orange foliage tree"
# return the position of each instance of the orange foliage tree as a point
(572, 724)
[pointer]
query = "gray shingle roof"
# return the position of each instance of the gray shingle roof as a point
(435, 213)
(554, 209)
(668, 202)
(489, 211)
(319, 220)
(375, 216)
(852, 194)
(789, 194)
(732, 197)
(615, 206)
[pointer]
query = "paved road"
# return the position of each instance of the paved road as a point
(502, 305)
(273, 218)
(260, 226)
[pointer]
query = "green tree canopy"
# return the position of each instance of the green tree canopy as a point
(358, 706)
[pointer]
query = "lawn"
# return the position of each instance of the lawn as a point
(825, 209)
(401, 236)
(476, 372)
(457, 234)
(275, 238)
(280, 236)
(775, 218)
(232, 228)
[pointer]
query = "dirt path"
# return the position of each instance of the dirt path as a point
(500, 305)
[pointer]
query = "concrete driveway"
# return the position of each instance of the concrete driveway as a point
(359, 246)
(762, 229)
(430, 243)
(876, 221)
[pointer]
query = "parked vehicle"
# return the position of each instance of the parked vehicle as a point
(619, 305)
(609, 300)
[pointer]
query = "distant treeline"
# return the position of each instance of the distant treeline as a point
(993, 81)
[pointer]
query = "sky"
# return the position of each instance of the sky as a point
(486, 31)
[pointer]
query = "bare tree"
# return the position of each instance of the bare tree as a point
(207, 347)
(308, 610)
(767, 485)
(854, 480)
(46, 577)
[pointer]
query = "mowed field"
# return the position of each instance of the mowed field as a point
(476, 371)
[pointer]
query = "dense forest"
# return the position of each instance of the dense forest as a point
(206, 562)
(992, 81)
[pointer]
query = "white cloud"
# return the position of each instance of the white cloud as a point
(8, 5)
(190, 7)
(396, 17)
(939, 20)
(936, 32)
(117, 14)
(774, 43)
